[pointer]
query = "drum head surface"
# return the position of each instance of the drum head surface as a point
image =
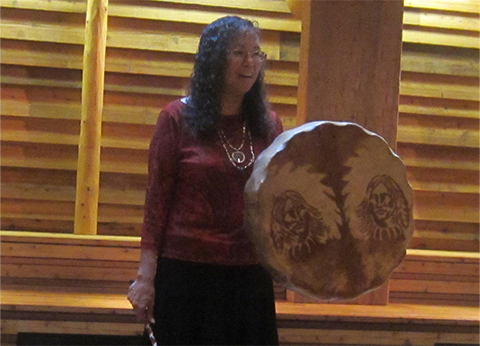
(329, 209)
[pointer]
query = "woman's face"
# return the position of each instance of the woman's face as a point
(244, 61)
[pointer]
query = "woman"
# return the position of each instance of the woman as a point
(199, 278)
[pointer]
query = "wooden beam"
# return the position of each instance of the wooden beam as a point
(38, 156)
(436, 63)
(70, 251)
(67, 193)
(88, 171)
(406, 313)
(276, 22)
(456, 229)
(49, 110)
(434, 241)
(350, 63)
(440, 256)
(64, 211)
(44, 33)
(293, 336)
(439, 136)
(89, 301)
(429, 299)
(47, 156)
(417, 85)
(443, 180)
(271, 6)
(456, 207)
(441, 20)
(438, 111)
(80, 6)
(446, 287)
(414, 155)
(422, 265)
(39, 137)
(413, 34)
(33, 209)
(18, 224)
(61, 239)
(466, 6)
(42, 5)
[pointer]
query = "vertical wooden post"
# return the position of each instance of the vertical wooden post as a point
(350, 63)
(88, 171)
(350, 71)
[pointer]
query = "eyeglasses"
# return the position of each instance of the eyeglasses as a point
(239, 54)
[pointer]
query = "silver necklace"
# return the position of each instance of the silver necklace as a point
(237, 157)
(243, 138)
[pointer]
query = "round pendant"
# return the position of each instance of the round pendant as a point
(238, 156)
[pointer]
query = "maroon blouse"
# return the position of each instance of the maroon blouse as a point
(194, 201)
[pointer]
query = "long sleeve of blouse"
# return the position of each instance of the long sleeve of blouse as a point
(162, 168)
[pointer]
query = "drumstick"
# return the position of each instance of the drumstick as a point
(148, 328)
(151, 337)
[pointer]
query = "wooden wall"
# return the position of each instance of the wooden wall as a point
(150, 51)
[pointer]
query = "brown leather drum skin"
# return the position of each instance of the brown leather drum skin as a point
(329, 209)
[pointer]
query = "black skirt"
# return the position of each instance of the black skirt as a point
(204, 304)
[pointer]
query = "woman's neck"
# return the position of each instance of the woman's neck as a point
(231, 106)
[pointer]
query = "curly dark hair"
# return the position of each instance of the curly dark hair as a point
(203, 107)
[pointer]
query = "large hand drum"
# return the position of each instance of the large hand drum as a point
(329, 209)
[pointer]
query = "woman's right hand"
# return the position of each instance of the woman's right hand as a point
(141, 295)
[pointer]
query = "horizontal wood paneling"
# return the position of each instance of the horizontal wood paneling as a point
(431, 235)
(436, 280)
(69, 258)
(464, 6)
(363, 337)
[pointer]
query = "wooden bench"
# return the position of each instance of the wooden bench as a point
(54, 283)
(300, 324)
